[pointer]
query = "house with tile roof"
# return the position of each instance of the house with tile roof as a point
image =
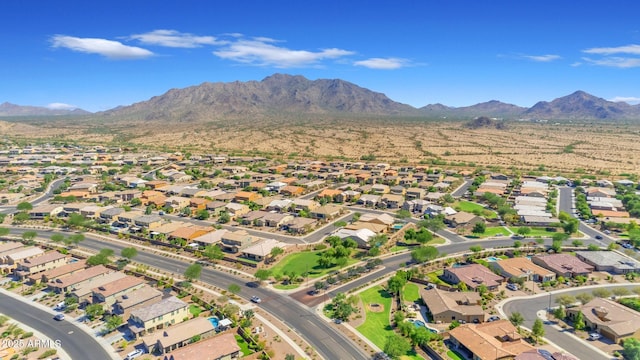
(473, 275)
(166, 312)
(449, 306)
(221, 347)
(491, 340)
(520, 267)
(565, 265)
(608, 318)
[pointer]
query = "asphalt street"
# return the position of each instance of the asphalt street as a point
(529, 307)
(75, 342)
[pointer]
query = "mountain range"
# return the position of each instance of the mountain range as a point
(9, 109)
(294, 94)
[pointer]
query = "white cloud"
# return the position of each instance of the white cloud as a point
(107, 48)
(61, 106)
(175, 39)
(627, 99)
(383, 63)
(615, 61)
(627, 49)
(263, 52)
(542, 58)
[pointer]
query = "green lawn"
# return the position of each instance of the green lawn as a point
(536, 231)
(433, 277)
(491, 232)
(474, 208)
(377, 325)
(304, 261)
(195, 310)
(454, 355)
(411, 292)
(244, 346)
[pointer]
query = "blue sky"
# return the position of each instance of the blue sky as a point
(97, 55)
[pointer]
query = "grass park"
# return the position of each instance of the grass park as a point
(377, 325)
(305, 262)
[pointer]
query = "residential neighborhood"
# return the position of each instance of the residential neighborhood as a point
(298, 229)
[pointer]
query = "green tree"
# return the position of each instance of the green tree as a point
(342, 307)
(479, 228)
(235, 289)
(559, 237)
(434, 224)
(20, 217)
(396, 346)
(57, 238)
(631, 349)
(395, 284)
(4, 231)
(136, 202)
(578, 322)
(29, 235)
(193, 272)
(601, 292)
(524, 230)
(537, 330)
(129, 253)
(275, 252)
(213, 252)
(577, 243)
(424, 253)
(556, 246)
(421, 336)
(559, 313)
(262, 274)
(224, 217)
(113, 322)
(584, 297)
(289, 357)
(565, 300)
(93, 311)
(76, 220)
(24, 206)
(516, 319)
(202, 214)
(475, 248)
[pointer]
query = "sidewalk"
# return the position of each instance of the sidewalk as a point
(107, 346)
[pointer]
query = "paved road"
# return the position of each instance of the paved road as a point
(75, 342)
(566, 204)
(329, 342)
(462, 189)
(530, 306)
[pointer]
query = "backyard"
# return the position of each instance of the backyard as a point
(411, 292)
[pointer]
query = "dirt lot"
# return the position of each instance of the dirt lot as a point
(566, 147)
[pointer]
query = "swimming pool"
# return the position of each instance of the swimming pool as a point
(493, 259)
(420, 323)
(214, 322)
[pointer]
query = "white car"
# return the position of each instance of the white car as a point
(256, 299)
(512, 286)
(594, 336)
(134, 354)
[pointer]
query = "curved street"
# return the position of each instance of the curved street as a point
(76, 342)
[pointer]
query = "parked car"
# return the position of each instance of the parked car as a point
(59, 317)
(256, 299)
(134, 354)
(598, 237)
(493, 318)
(513, 287)
(594, 336)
